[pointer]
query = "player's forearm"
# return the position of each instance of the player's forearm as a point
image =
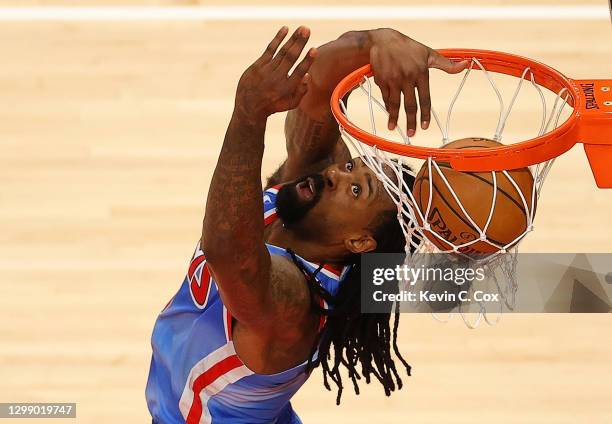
(311, 130)
(232, 233)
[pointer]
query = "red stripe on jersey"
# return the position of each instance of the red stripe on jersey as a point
(207, 378)
(269, 219)
(333, 270)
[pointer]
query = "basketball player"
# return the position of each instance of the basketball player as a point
(272, 290)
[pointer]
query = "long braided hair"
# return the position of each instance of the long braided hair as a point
(360, 343)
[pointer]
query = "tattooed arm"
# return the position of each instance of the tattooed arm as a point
(400, 66)
(233, 225)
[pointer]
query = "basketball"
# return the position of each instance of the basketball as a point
(475, 191)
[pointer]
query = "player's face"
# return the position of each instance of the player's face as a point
(342, 201)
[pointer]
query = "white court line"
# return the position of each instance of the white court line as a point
(335, 12)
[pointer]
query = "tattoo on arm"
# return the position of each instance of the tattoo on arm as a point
(311, 142)
(233, 226)
(305, 133)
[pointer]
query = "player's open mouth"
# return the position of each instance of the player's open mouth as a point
(306, 189)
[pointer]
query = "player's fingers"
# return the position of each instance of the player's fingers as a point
(271, 49)
(290, 52)
(393, 104)
(436, 60)
(384, 92)
(380, 76)
(283, 50)
(410, 106)
(300, 71)
(424, 99)
(293, 53)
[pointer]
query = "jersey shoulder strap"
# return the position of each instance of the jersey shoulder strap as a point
(269, 204)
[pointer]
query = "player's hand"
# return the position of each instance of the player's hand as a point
(266, 87)
(400, 65)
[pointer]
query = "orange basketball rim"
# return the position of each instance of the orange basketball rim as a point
(590, 122)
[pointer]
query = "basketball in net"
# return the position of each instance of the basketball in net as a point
(491, 207)
(479, 195)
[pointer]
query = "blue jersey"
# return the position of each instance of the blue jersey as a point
(196, 375)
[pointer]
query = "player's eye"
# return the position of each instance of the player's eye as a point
(355, 189)
(349, 166)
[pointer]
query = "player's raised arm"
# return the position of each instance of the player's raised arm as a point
(400, 66)
(232, 235)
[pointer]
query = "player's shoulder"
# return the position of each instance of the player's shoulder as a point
(289, 286)
(289, 295)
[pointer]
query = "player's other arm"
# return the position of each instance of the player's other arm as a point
(313, 139)
(233, 230)
(400, 66)
(311, 132)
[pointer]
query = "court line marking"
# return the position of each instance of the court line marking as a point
(332, 12)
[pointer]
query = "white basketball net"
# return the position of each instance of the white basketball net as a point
(500, 264)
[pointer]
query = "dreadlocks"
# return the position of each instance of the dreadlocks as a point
(351, 338)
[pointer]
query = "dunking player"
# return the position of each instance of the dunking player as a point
(272, 290)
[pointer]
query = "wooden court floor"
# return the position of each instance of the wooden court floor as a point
(109, 133)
